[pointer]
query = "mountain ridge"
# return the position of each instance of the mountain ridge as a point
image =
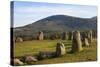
(59, 23)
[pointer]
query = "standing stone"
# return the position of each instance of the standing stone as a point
(83, 36)
(86, 43)
(60, 49)
(70, 35)
(90, 36)
(40, 36)
(76, 42)
(64, 36)
(84, 39)
(17, 62)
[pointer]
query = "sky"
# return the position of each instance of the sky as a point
(29, 12)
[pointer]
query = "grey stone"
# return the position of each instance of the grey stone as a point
(19, 39)
(64, 36)
(60, 49)
(90, 36)
(86, 43)
(40, 35)
(30, 59)
(17, 62)
(76, 42)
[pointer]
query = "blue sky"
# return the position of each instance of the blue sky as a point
(29, 12)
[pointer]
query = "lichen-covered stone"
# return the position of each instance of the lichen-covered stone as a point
(76, 42)
(60, 49)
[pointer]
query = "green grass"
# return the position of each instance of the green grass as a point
(33, 47)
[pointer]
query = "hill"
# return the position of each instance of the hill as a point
(58, 23)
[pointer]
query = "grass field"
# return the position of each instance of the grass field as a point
(33, 47)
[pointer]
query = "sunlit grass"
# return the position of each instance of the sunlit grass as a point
(33, 47)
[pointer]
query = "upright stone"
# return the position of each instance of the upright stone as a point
(84, 39)
(90, 36)
(76, 42)
(60, 49)
(40, 35)
(64, 36)
(70, 35)
(86, 43)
